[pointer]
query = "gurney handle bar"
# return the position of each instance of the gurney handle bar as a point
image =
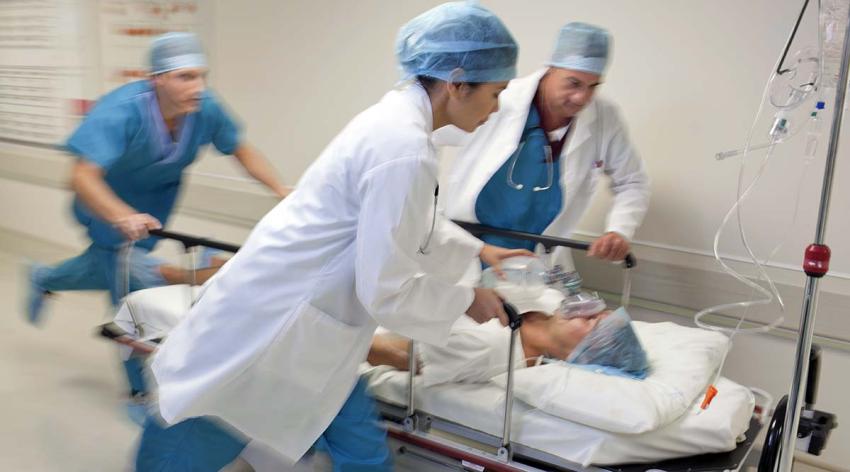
(548, 242)
(514, 322)
(514, 318)
(112, 331)
(192, 241)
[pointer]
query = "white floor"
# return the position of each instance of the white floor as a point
(62, 388)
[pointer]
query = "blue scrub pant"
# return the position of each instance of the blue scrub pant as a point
(355, 441)
(97, 269)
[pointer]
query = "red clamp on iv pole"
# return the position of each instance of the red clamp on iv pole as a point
(815, 264)
(816, 260)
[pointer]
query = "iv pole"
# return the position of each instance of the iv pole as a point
(816, 265)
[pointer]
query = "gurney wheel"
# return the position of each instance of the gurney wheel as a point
(773, 441)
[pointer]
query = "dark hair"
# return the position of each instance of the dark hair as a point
(430, 82)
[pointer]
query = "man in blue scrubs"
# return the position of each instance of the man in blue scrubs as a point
(131, 151)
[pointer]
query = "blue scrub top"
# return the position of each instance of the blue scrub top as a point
(501, 206)
(126, 136)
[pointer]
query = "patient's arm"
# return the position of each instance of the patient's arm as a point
(473, 353)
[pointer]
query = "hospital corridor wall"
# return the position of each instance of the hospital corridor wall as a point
(687, 76)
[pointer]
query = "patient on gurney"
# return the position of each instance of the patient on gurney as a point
(578, 382)
(600, 340)
(604, 342)
(589, 393)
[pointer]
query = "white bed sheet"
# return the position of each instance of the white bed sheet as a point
(157, 310)
(481, 407)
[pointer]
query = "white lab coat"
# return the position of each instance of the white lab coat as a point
(273, 344)
(597, 145)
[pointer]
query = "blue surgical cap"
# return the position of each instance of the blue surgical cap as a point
(457, 36)
(613, 346)
(581, 47)
(173, 51)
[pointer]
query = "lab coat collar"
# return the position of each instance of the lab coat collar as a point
(418, 96)
(449, 135)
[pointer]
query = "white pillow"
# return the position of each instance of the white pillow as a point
(682, 362)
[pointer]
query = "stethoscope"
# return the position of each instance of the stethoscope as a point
(550, 167)
(550, 163)
(424, 248)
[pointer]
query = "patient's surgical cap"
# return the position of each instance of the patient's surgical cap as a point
(457, 36)
(173, 51)
(613, 346)
(581, 47)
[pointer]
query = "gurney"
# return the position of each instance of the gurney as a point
(478, 427)
(541, 441)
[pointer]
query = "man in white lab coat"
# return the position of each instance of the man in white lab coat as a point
(535, 165)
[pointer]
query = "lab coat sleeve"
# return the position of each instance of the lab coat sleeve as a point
(629, 180)
(473, 354)
(451, 247)
(391, 282)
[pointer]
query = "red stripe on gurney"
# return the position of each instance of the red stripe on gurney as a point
(138, 346)
(449, 451)
(114, 333)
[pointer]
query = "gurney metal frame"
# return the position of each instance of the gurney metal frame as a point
(432, 442)
(415, 428)
(114, 332)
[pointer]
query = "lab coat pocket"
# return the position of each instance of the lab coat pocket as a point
(310, 349)
(596, 173)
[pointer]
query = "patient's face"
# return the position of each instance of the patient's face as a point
(567, 333)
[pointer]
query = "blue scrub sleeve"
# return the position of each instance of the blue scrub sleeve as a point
(103, 136)
(225, 133)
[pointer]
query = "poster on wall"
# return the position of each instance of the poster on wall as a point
(41, 70)
(58, 56)
(127, 28)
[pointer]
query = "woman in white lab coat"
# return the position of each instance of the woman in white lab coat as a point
(535, 165)
(273, 344)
